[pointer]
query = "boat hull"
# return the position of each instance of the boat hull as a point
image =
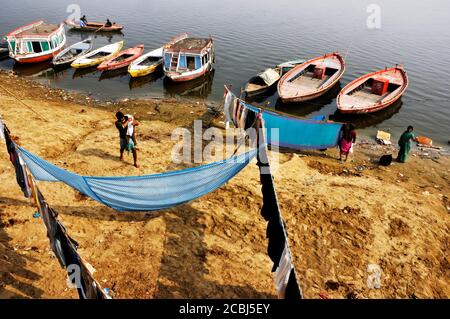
(187, 76)
(144, 72)
(110, 64)
(376, 108)
(289, 93)
(94, 27)
(36, 59)
(59, 62)
(347, 104)
(305, 98)
(88, 62)
(257, 92)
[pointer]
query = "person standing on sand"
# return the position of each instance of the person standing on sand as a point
(405, 144)
(126, 141)
(347, 140)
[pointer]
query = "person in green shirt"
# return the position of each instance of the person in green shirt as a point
(405, 144)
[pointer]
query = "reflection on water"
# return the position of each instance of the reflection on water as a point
(199, 87)
(80, 73)
(110, 74)
(108, 36)
(32, 69)
(142, 81)
(367, 120)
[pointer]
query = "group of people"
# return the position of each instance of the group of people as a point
(348, 139)
(84, 22)
(126, 125)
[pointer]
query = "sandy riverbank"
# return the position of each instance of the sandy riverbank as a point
(340, 218)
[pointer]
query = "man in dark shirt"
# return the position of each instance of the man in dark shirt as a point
(108, 23)
(125, 141)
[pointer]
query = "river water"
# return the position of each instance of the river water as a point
(251, 35)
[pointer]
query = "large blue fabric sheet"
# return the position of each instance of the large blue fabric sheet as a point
(297, 133)
(147, 192)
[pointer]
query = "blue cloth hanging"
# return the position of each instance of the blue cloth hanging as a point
(147, 192)
(296, 133)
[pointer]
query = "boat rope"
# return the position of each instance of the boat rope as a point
(23, 103)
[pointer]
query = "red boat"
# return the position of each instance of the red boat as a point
(311, 79)
(373, 92)
(122, 59)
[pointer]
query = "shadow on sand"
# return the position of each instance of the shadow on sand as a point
(183, 264)
(13, 265)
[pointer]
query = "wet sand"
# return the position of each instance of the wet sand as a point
(340, 218)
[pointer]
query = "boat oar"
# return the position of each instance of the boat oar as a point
(100, 28)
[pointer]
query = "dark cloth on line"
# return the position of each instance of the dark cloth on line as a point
(21, 175)
(63, 246)
(270, 212)
(292, 288)
(277, 237)
(250, 120)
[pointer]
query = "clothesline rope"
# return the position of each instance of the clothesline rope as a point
(23, 103)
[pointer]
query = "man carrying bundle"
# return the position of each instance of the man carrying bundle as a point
(127, 134)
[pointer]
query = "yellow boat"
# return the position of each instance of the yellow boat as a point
(98, 56)
(146, 64)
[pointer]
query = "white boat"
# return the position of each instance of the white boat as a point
(188, 58)
(73, 52)
(36, 42)
(147, 63)
(98, 56)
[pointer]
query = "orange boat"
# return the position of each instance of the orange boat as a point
(312, 78)
(373, 92)
(122, 59)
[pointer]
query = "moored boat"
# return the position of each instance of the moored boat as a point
(93, 26)
(146, 64)
(289, 65)
(36, 42)
(187, 58)
(373, 92)
(262, 82)
(122, 59)
(97, 56)
(311, 79)
(72, 53)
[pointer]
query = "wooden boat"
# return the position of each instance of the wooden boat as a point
(262, 82)
(36, 42)
(72, 53)
(122, 59)
(187, 58)
(93, 26)
(289, 65)
(146, 64)
(311, 79)
(373, 92)
(98, 56)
